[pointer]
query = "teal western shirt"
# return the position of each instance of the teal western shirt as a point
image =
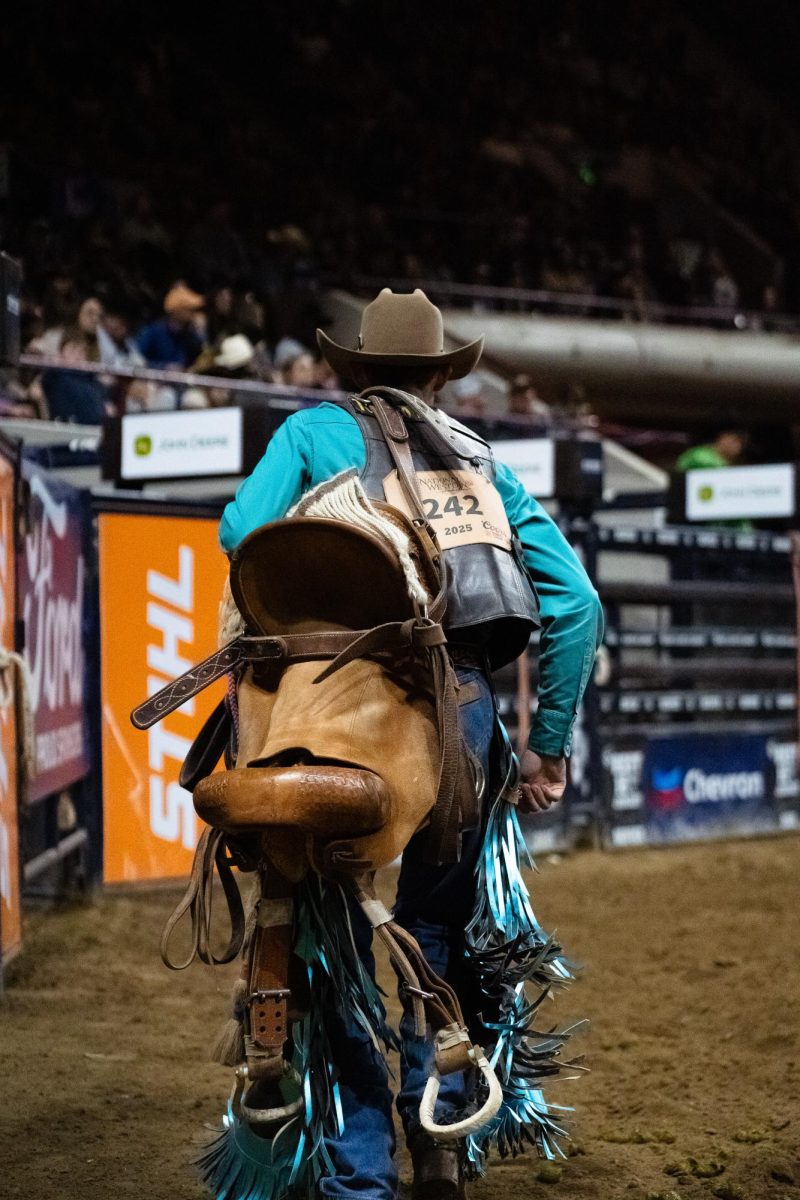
(315, 444)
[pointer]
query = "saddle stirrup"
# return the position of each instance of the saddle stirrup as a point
(433, 1001)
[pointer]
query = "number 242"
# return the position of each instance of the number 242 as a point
(451, 505)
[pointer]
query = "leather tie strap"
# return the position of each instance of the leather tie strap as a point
(197, 900)
(207, 748)
(427, 993)
(279, 651)
(414, 634)
(187, 685)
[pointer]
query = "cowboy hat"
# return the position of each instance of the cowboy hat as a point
(182, 297)
(235, 351)
(401, 330)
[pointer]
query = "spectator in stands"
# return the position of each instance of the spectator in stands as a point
(86, 321)
(235, 358)
(90, 314)
(294, 364)
(725, 449)
(221, 324)
(72, 395)
(115, 343)
(524, 400)
(249, 315)
(468, 396)
(219, 314)
(173, 341)
(60, 302)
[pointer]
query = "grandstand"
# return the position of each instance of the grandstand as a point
(580, 160)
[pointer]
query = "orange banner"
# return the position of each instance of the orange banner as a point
(161, 581)
(10, 911)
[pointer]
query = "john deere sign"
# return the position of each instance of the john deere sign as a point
(182, 444)
(732, 493)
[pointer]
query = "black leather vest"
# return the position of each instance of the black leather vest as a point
(490, 599)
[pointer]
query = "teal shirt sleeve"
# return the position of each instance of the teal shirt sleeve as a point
(570, 611)
(309, 447)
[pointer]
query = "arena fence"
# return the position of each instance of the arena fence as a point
(688, 728)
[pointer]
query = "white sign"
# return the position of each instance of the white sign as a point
(533, 461)
(175, 444)
(714, 493)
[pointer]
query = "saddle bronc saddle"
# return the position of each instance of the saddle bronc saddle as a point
(341, 742)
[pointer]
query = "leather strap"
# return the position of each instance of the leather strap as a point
(395, 434)
(270, 994)
(207, 748)
(187, 685)
(278, 651)
(197, 900)
(443, 835)
(414, 634)
(429, 995)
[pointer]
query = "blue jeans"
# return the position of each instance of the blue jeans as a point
(434, 904)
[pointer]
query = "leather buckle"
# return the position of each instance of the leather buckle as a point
(267, 654)
(269, 994)
(264, 649)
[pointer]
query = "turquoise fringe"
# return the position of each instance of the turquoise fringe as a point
(243, 1165)
(508, 949)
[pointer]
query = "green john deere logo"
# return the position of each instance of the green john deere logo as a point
(706, 493)
(143, 445)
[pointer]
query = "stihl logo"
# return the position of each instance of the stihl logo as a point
(170, 611)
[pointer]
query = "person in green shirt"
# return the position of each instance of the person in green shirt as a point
(725, 450)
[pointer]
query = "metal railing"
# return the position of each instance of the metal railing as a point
(282, 395)
(530, 300)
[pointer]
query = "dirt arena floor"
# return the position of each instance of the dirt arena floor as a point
(691, 982)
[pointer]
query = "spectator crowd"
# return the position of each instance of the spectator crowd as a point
(221, 338)
(259, 161)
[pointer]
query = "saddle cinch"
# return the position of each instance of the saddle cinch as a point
(346, 744)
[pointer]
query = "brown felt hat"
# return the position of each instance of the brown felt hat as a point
(401, 330)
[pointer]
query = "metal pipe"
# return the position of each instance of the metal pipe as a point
(56, 854)
(632, 358)
(695, 591)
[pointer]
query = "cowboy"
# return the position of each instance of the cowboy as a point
(502, 552)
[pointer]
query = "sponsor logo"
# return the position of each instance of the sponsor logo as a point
(182, 444)
(706, 493)
(670, 789)
(666, 789)
(170, 618)
(52, 614)
(735, 785)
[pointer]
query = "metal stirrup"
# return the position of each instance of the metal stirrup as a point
(460, 1129)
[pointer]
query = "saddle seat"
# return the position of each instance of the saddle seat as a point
(327, 801)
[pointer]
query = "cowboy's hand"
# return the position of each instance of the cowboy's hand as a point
(542, 781)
